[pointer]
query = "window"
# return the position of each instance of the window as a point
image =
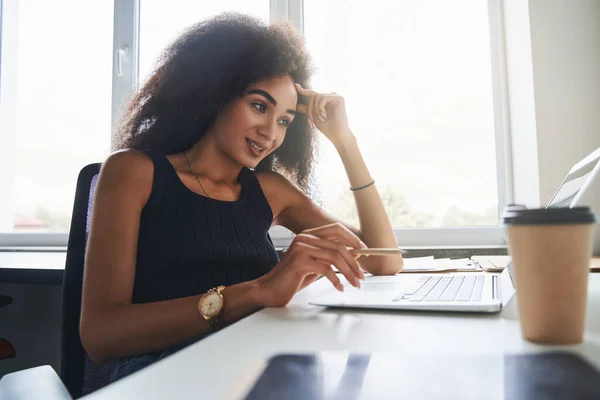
(162, 21)
(55, 111)
(417, 80)
(418, 77)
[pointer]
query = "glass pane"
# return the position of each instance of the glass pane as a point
(162, 21)
(416, 76)
(62, 53)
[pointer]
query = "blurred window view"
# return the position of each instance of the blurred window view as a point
(416, 77)
(415, 74)
(61, 105)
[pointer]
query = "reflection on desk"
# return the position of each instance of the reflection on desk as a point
(341, 375)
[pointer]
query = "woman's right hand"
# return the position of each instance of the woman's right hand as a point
(312, 254)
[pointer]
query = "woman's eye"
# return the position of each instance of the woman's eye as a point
(284, 122)
(260, 107)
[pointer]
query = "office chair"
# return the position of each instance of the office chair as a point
(79, 374)
(5, 300)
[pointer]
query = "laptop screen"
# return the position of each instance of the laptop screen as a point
(566, 194)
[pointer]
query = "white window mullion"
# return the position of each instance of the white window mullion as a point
(468, 237)
(500, 100)
(296, 14)
(278, 10)
(36, 241)
(125, 55)
(288, 10)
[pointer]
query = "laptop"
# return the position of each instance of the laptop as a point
(466, 292)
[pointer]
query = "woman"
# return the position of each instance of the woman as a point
(179, 242)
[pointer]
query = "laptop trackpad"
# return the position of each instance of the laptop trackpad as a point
(379, 287)
(369, 293)
(373, 290)
(396, 285)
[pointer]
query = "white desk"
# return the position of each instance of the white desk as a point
(45, 267)
(210, 367)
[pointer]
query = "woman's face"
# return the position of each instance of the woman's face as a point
(254, 125)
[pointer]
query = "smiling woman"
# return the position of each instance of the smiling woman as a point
(199, 90)
(179, 241)
(248, 130)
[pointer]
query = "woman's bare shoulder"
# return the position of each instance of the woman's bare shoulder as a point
(127, 171)
(281, 193)
(274, 181)
(128, 163)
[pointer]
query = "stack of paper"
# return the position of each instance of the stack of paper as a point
(498, 263)
(492, 263)
(430, 264)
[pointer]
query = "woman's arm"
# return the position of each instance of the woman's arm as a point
(297, 212)
(375, 226)
(111, 327)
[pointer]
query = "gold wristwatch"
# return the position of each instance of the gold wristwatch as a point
(210, 306)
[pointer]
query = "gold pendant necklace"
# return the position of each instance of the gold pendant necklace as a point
(197, 177)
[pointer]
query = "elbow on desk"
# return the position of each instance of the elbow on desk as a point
(389, 265)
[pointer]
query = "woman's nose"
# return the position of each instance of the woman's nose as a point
(269, 130)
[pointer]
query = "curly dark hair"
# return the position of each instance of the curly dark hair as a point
(201, 72)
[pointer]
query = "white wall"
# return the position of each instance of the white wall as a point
(557, 50)
(565, 36)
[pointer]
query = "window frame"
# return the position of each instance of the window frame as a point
(125, 78)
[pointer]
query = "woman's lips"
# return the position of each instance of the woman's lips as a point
(255, 148)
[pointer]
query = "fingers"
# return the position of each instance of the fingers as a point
(338, 232)
(320, 111)
(328, 257)
(314, 104)
(310, 278)
(304, 92)
(304, 255)
(311, 108)
(302, 108)
(306, 101)
(335, 253)
(312, 262)
(329, 274)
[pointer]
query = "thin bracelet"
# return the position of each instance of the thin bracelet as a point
(363, 187)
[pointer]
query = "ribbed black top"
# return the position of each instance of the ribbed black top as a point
(189, 243)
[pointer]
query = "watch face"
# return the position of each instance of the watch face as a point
(211, 304)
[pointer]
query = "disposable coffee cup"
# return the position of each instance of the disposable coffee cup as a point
(551, 250)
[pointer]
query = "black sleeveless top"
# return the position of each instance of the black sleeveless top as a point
(189, 243)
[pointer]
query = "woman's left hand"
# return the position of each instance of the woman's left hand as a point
(326, 111)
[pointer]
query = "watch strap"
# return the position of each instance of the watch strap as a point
(214, 323)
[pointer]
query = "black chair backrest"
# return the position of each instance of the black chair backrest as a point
(78, 373)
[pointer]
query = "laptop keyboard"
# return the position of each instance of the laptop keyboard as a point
(445, 288)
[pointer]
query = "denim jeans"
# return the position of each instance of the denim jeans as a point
(129, 365)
